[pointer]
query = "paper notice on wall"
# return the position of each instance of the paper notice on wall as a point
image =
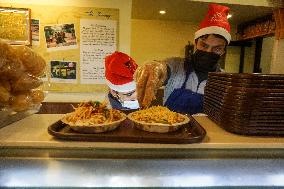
(63, 71)
(98, 39)
(35, 31)
(60, 37)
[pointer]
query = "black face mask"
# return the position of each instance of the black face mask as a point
(205, 62)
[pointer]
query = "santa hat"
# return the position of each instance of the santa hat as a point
(215, 22)
(119, 70)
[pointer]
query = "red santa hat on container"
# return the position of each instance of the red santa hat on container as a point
(215, 22)
(119, 70)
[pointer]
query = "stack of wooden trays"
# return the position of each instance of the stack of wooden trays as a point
(249, 104)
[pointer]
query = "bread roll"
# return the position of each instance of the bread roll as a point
(4, 95)
(10, 65)
(26, 82)
(6, 52)
(20, 102)
(19, 70)
(6, 84)
(37, 96)
(33, 62)
(12, 69)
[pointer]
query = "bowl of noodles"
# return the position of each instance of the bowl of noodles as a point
(158, 119)
(93, 117)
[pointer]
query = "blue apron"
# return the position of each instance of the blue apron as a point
(183, 100)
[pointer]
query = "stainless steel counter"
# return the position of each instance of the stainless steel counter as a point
(30, 157)
(29, 137)
(140, 173)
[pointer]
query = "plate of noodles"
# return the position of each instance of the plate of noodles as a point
(93, 117)
(158, 119)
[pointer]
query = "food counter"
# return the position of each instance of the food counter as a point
(221, 159)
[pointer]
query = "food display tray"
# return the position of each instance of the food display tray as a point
(249, 104)
(192, 132)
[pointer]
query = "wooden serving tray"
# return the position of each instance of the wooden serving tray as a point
(192, 132)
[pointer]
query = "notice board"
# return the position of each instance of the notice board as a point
(74, 42)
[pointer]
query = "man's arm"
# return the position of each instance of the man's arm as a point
(149, 78)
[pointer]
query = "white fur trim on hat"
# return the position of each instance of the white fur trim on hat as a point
(122, 88)
(213, 30)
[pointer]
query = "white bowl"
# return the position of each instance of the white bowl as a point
(97, 128)
(158, 127)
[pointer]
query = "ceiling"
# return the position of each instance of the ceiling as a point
(192, 11)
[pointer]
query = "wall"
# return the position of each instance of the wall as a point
(148, 39)
(124, 32)
(123, 6)
(232, 61)
(271, 62)
(249, 58)
(153, 39)
(266, 54)
(265, 3)
(277, 64)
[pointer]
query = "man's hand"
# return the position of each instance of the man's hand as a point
(149, 78)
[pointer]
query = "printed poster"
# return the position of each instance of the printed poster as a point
(63, 71)
(98, 39)
(35, 31)
(60, 37)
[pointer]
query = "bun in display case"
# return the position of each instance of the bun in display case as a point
(20, 68)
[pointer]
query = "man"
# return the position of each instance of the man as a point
(185, 79)
(119, 71)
